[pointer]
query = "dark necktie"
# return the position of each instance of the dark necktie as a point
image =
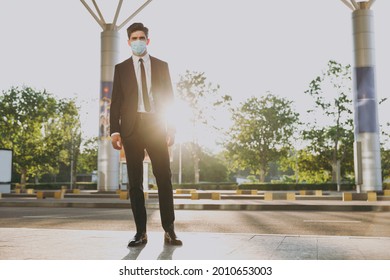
(145, 95)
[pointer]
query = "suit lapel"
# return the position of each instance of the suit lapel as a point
(154, 73)
(129, 75)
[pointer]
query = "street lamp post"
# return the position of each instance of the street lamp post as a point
(367, 146)
(108, 158)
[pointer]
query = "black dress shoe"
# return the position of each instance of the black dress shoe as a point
(138, 239)
(171, 239)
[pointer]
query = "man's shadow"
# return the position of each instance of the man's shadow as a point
(166, 253)
(134, 252)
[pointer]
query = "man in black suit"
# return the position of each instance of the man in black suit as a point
(141, 95)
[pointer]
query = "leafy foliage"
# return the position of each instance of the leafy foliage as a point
(87, 160)
(202, 98)
(211, 167)
(329, 131)
(41, 130)
(262, 132)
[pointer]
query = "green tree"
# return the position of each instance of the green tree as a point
(70, 122)
(385, 151)
(329, 130)
(385, 157)
(38, 128)
(262, 131)
(212, 167)
(202, 98)
(87, 160)
(308, 167)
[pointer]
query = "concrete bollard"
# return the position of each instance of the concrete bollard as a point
(185, 191)
(76, 191)
(59, 194)
(30, 191)
(124, 195)
(347, 196)
(40, 195)
(19, 188)
(308, 192)
(279, 196)
(251, 192)
(371, 196)
(290, 196)
(386, 193)
(318, 192)
(213, 196)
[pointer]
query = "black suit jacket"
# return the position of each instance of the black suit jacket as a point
(124, 101)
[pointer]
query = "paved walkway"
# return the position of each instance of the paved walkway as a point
(56, 244)
(59, 244)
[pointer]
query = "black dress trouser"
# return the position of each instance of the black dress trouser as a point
(149, 134)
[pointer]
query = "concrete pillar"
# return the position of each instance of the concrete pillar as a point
(108, 158)
(366, 124)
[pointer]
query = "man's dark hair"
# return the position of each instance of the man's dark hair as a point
(137, 26)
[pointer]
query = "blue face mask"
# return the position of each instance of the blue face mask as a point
(138, 47)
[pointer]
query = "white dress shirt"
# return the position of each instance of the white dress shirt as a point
(148, 72)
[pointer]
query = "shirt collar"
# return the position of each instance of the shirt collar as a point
(146, 58)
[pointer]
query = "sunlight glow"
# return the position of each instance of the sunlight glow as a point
(180, 116)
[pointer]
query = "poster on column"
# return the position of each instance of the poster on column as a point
(104, 112)
(366, 101)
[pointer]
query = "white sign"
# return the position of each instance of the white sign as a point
(5, 166)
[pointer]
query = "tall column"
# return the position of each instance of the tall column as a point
(108, 158)
(366, 123)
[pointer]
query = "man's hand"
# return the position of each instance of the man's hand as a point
(170, 139)
(116, 141)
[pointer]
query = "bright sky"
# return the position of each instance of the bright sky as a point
(248, 47)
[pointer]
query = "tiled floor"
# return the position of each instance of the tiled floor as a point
(58, 244)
